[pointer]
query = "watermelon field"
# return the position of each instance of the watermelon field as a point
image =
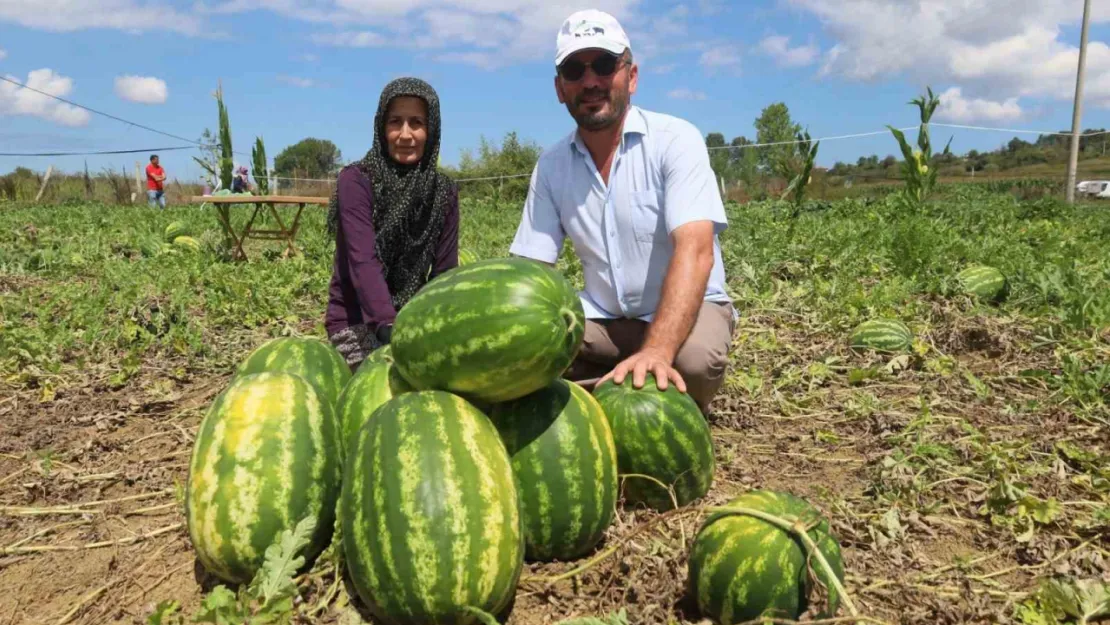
(959, 474)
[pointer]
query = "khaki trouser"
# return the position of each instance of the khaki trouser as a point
(701, 360)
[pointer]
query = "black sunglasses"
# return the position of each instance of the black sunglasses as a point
(604, 65)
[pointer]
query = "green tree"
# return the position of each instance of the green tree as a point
(718, 159)
(745, 162)
(512, 158)
(308, 158)
(774, 125)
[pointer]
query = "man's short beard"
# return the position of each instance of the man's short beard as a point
(618, 102)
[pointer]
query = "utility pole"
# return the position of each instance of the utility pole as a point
(1073, 159)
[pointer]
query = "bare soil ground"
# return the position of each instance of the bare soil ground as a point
(92, 526)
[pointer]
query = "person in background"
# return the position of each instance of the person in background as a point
(395, 218)
(155, 183)
(240, 183)
(634, 192)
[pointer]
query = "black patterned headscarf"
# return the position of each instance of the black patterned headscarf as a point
(409, 202)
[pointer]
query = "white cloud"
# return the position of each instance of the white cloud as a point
(665, 68)
(297, 81)
(778, 48)
(3, 54)
(725, 55)
(72, 15)
(350, 39)
(15, 100)
(956, 108)
(142, 89)
(683, 93)
(995, 49)
(485, 33)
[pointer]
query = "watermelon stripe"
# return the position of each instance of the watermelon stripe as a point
(317, 361)
(742, 568)
(564, 465)
(262, 460)
(493, 330)
(660, 434)
(440, 527)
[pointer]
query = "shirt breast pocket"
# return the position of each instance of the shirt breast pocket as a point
(644, 211)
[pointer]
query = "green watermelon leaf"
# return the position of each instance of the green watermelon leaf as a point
(164, 613)
(620, 618)
(1083, 599)
(273, 586)
(221, 607)
(485, 618)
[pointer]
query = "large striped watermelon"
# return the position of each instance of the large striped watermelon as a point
(565, 465)
(494, 330)
(983, 282)
(882, 335)
(430, 514)
(743, 568)
(265, 456)
(316, 360)
(660, 434)
(372, 385)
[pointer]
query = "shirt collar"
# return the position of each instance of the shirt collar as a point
(633, 124)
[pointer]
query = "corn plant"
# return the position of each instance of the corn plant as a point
(807, 155)
(917, 171)
(258, 161)
(226, 157)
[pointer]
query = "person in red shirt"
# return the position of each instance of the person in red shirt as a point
(155, 177)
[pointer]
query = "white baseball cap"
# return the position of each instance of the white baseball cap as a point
(590, 29)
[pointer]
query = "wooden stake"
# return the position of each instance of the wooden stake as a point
(138, 181)
(45, 179)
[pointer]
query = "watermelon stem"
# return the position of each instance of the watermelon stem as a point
(571, 318)
(551, 579)
(796, 527)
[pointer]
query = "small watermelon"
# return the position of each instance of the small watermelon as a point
(188, 243)
(882, 335)
(316, 360)
(742, 568)
(986, 283)
(467, 257)
(565, 464)
(660, 434)
(264, 458)
(176, 229)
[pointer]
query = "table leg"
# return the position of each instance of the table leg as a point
(225, 221)
(241, 254)
(293, 229)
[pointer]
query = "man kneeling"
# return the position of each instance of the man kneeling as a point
(634, 192)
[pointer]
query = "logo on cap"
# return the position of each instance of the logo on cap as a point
(589, 30)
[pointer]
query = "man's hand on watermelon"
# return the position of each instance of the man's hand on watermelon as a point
(683, 294)
(641, 363)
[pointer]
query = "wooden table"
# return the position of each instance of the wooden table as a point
(259, 202)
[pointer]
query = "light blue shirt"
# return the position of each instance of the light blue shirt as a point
(660, 179)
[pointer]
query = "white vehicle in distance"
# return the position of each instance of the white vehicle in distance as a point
(1097, 188)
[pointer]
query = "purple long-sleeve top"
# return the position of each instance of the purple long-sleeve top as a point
(358, 292)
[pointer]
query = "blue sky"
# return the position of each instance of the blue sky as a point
(295, 69)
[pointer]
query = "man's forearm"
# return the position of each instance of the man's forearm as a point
(683, 293)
